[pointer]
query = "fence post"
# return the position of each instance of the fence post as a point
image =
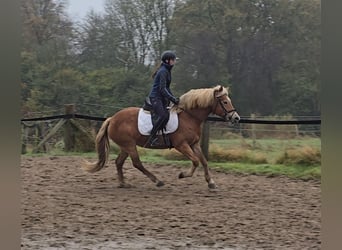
(69, 133)
(297, 130)
(253, 116)
(205, 139)
(24, 135)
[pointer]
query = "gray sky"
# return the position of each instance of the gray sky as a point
(77, 9)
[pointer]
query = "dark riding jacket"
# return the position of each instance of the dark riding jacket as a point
(161, 84)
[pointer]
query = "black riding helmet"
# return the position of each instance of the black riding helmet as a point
(167, 56)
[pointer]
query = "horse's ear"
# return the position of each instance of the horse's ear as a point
(217, 90)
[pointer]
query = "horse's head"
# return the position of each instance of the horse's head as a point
(223, 105)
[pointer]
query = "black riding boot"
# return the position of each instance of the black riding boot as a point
(153, 139)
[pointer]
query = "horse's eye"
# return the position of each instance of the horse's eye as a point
(225, 102)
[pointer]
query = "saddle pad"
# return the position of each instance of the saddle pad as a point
(145, 123)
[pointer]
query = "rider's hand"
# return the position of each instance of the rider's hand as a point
(176, 101)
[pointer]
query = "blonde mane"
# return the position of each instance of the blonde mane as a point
(200, 98)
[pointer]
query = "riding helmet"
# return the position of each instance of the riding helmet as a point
(168, 55)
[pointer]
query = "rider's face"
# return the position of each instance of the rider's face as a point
(172, 62)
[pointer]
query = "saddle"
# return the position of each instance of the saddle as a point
(145, 117)
(147, 106)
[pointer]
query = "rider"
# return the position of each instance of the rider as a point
(161, 95)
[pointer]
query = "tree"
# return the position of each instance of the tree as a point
(46, 50)
(267, 51)
(142, 26)
(98, 42)
(298, 80)
(47, 30)
(252, 45)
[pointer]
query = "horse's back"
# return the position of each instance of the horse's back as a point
(126, 112)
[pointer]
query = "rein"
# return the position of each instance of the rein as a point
(184, 110)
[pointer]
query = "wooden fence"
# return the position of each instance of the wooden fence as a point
(73, 130)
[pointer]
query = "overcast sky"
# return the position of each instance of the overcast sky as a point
(77, 9)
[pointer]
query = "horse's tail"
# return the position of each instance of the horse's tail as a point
(102, 148)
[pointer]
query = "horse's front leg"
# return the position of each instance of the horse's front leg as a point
(198, 151)
(195, 154)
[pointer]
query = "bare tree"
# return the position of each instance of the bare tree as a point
(44, 20)
(143, 26)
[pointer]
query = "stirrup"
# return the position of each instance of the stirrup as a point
(151, 140)
(167, 141)
(154, 141)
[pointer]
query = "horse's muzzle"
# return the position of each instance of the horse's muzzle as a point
(234, 118)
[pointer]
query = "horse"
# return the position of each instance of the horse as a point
(193, 109)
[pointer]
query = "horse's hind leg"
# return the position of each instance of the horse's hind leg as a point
(133, 153)
(119, 164)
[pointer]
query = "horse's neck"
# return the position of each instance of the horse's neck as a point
(200, 114)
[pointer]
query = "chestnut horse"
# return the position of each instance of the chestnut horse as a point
(193, 109)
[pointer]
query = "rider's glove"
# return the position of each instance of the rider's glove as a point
(176, 100)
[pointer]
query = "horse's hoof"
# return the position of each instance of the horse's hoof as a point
(212, 186)
(124, 185)
(181, 175)
(160, 184)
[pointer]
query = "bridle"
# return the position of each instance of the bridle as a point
(226, 112)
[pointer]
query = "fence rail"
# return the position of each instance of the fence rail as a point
(68, 122)
(210, 118)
